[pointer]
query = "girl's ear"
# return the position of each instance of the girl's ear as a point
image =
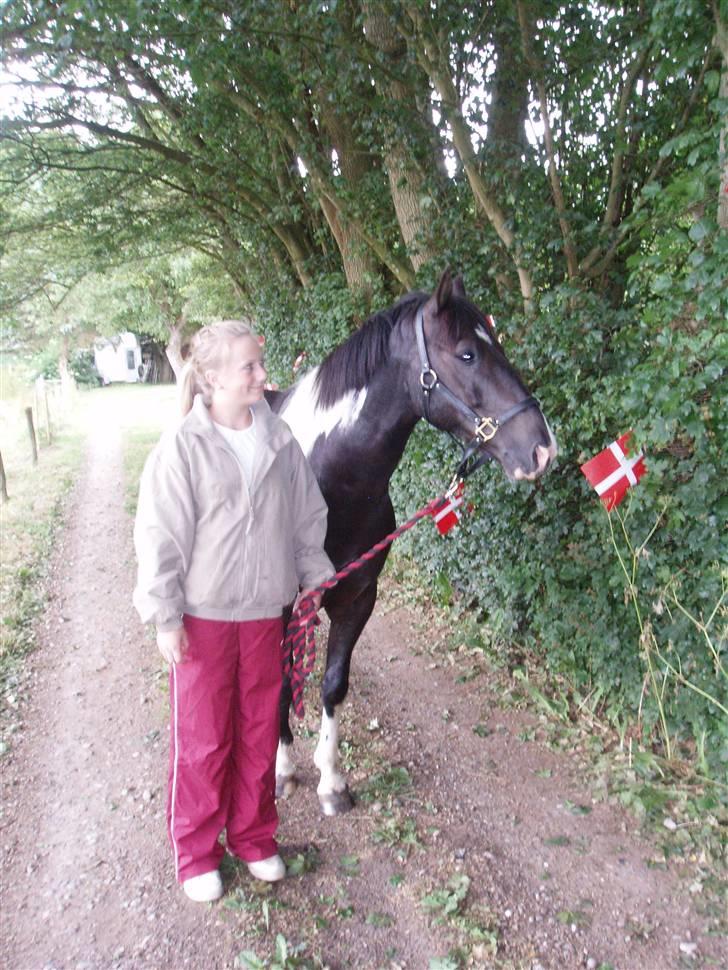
(211, 378)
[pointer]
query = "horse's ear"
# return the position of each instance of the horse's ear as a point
(458, 287)
(444, 290)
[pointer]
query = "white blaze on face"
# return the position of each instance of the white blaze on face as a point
(307, 419)
(326, 757)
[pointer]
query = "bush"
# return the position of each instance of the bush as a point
(538, 563)
(81, 365)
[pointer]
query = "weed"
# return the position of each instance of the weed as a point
(664, 668)
(387, 784)
(348, 755)
(304, 862)
(576, 809)
(257, 905)
(444, 903)
(560, 840)
(287, 956)
(397, 834)
(450, 962)
(379, 919)
(349, 865)
(639, 929)
(574, 917)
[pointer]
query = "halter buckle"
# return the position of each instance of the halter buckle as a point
(430, 374)
(486, 428)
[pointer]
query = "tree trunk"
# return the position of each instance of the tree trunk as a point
(557, 192)
(434, 61)
(360, 267)
(357, 166)
(298, 253)
(509, 98)
(294, 236)
(406, 181)
(173, 349)
(721, 41)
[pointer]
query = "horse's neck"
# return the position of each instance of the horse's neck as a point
(359, 439)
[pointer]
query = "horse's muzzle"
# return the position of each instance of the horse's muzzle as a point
(543, 455)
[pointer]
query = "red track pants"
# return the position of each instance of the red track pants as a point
(223, 738)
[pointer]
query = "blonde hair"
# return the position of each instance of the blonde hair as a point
(209, 350)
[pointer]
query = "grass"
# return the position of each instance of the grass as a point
(29, 522)
(146, 409)
(31, 519)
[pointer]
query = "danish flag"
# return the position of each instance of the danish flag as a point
(448, 513)
(613, 471)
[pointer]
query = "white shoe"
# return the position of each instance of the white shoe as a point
(269, 870)
(205, 888)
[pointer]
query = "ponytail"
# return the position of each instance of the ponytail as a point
(187, 389)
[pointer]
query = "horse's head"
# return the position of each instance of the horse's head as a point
(463, 383)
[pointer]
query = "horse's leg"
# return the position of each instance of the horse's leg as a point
(286, 781)
(347, 622)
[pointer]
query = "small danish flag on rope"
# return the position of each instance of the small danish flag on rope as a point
(613, 471)
(448, 513)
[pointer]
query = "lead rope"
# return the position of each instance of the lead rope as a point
(299, 642)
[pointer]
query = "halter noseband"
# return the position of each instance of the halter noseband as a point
(484, 429)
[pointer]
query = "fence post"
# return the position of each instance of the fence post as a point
(3, 481)
(31, 432)
(42, 407)
(49, 431)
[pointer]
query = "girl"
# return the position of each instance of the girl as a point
(230, 523)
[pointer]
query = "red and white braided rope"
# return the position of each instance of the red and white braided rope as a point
(299, 642)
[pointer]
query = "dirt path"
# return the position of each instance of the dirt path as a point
(462, 841)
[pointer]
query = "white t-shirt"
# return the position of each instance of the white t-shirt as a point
(243, 444)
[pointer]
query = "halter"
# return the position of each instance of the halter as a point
(484, 429)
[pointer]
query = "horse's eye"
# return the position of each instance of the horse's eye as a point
(467, 356)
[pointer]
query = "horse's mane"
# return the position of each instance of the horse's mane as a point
(349, 366)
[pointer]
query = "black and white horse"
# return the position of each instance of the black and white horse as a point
(434, 357)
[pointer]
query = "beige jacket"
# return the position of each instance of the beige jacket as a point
(210, 546)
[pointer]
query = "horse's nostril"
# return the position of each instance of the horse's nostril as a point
(541, 458)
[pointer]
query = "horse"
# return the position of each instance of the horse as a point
(429, 356)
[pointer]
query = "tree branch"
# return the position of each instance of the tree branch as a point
(611, 211)
(599, 259)
(572, 259)
(434, 62)
(69, 121)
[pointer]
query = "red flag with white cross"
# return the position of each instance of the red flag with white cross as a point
(447, 514)
(614, 470)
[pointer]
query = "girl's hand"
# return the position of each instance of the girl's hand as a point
(173, 645)
(309, 594)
